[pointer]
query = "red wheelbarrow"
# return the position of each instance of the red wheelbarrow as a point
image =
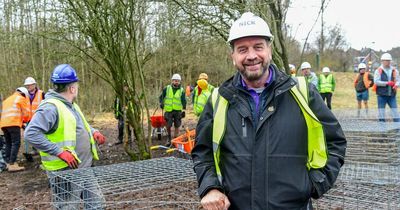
(158, 124)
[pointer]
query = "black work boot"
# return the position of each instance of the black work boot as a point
(168, 144)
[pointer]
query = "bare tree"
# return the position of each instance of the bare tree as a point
(216, 17)
(112, 34)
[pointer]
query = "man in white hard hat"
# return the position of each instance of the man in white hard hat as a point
(386, 79)
(173, 101)
(14, 114)
(308, 74)
(244, 156)
(326, 86)
(363, 81)
(35, 96)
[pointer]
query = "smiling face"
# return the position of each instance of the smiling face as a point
(251, 56)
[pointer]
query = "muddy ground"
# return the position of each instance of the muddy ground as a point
(23, 189)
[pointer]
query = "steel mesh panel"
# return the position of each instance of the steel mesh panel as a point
(163, 183)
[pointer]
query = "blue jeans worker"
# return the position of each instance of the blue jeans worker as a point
(362, 82)
(386, 79)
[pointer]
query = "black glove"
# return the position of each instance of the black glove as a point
(162, 106)
(183, 114)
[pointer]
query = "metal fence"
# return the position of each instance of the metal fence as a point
(163, 183)
(370, 177)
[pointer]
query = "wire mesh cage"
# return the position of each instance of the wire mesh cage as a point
(163, 183)
(370, 177)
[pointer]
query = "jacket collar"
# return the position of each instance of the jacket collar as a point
(230, 88)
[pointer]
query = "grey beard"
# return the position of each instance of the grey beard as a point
(252, 78)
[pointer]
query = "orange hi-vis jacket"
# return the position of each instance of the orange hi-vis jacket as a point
(15, 111)
(36, 101)
(366, 81)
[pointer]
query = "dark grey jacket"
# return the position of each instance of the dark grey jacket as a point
(264, 165)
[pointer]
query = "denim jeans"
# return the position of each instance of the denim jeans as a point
(391, 101)
(13, 141)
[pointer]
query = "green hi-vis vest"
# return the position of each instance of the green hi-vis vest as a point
(325, 83)
(173, 101)
(200, 101)
(317, 153)
(65, 136)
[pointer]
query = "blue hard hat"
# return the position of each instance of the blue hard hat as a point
(64, 74)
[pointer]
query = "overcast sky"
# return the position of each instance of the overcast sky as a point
(362, 21)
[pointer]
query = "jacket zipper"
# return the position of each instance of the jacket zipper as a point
(244, 128)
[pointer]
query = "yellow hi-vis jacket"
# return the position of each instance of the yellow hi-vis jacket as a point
(317, 154)
(173, 101)
(200, 101)
(326, 84)
(65, 136)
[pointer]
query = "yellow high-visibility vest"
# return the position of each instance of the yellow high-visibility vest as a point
(65, 136)
(173, 101)
(317, 156)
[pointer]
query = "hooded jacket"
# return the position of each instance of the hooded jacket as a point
(263, 156)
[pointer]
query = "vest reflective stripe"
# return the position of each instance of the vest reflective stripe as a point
(200, 101)
(366, 81)
(317, 154)
(173, 101)
(219, 126)
(325, 83)
(36, 101)
(65, 136)
(15, 111)
(87, 126)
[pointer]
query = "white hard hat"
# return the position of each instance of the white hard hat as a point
(386, 57)
(305, 65)
(176, 77)
(291, 66)
(362, 66)
(23, 90)
(326, 70)
(249, 25)
(29, 81)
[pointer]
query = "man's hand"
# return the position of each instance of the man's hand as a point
(67, 157)
(215, 199)
(100, 139)
(391, 83)
(394, 87)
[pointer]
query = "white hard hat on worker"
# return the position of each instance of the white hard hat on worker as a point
(250, 39)
(362, 66)
(29, 81)
(326, 70)
(249, 25)
(30, 84)
(176, 80)
(23, 90)
(386, 57)
(305, 65)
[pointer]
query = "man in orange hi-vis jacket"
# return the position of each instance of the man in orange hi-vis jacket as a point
(16, 111)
